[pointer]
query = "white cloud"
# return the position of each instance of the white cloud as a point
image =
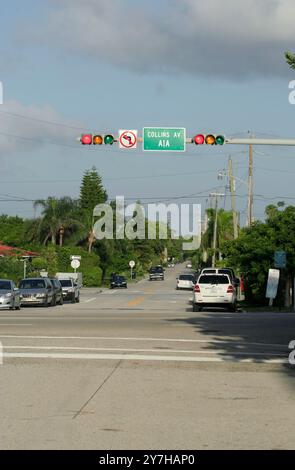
(232, 39)
(26, 128)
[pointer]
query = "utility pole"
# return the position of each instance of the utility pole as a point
(216, 195)
(250, 187)
(233, 197)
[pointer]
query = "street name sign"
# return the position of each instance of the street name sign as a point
(169, 139)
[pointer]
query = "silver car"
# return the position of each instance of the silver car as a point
(9, 295)
(36, 291)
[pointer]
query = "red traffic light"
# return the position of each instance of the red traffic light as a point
(86, 139)
(199, 139)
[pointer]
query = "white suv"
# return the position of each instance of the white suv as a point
(214, 290)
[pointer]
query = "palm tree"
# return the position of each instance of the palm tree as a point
(57, 217)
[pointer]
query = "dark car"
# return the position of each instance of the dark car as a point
(118, 281)
(157, 273)
(57, 291)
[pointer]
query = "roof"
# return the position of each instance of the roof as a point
(6, 250)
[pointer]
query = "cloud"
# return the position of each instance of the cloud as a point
(208, 38)
(25, 128)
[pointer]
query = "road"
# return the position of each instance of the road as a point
(137, 369)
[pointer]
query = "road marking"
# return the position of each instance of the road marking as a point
(164, 351)
(89, 300)
(16, 324)
(135, 302)
(112, 292)
(169, 340)
(139, 357)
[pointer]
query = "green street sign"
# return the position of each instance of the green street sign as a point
(169, 139)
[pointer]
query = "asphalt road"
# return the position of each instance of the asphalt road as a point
(137, 369)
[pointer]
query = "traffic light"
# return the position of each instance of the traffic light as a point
(209, 139)
(97, 139)
(109, 139)
(86, 139)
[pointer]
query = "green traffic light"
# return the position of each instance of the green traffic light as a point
(220, 139)
(109, 139)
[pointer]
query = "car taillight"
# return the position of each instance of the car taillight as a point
(197, 288)
(230, 289)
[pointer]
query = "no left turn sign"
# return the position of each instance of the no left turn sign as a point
(127, 139)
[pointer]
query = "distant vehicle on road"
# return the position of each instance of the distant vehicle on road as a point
(189, 265)
(156, 273)
(57, 291)
(235, 280)
(36, 291)
(9, 295)
(77, 277)
(70, 290)
(214, 290)
(118, 282)
(185, 281)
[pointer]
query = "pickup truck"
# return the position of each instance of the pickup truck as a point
(70, 290)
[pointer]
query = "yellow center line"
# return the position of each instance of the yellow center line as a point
(135, 302)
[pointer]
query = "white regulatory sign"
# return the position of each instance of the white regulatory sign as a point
(131, 264)
(127, 139)
(75, 264)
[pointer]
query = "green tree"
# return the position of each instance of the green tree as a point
(290, 59)
(58, 218)
(92, 193)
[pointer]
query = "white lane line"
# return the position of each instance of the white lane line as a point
(164, 351)
(112, 292)
(168, 340)
(16, 324)
(139, 357)
(89, 300)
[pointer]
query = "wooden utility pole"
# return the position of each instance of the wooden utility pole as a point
(216, 195)
(233, 197)
(250, 187)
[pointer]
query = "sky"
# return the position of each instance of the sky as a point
(73, 66)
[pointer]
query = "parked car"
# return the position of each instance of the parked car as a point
(235, 280)
(70, 290)
(185, 281)
(9, 295)
(57, 291)
(118, 281)
(214, 290)
(156, 273)
(36, 291)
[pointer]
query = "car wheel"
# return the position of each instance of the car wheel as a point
(53, 301)
(73, 300)
(46, 304)
(196, 308)
(78, 299)
(233, 308)
(61, 302)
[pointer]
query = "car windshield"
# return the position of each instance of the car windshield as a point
(158, 269)
(186, 277)
(32, 284)
(66, 282)
(119, 279)
(210, 279)
(225, 271)
(5, 285)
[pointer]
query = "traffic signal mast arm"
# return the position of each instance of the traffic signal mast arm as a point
(199, 139)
